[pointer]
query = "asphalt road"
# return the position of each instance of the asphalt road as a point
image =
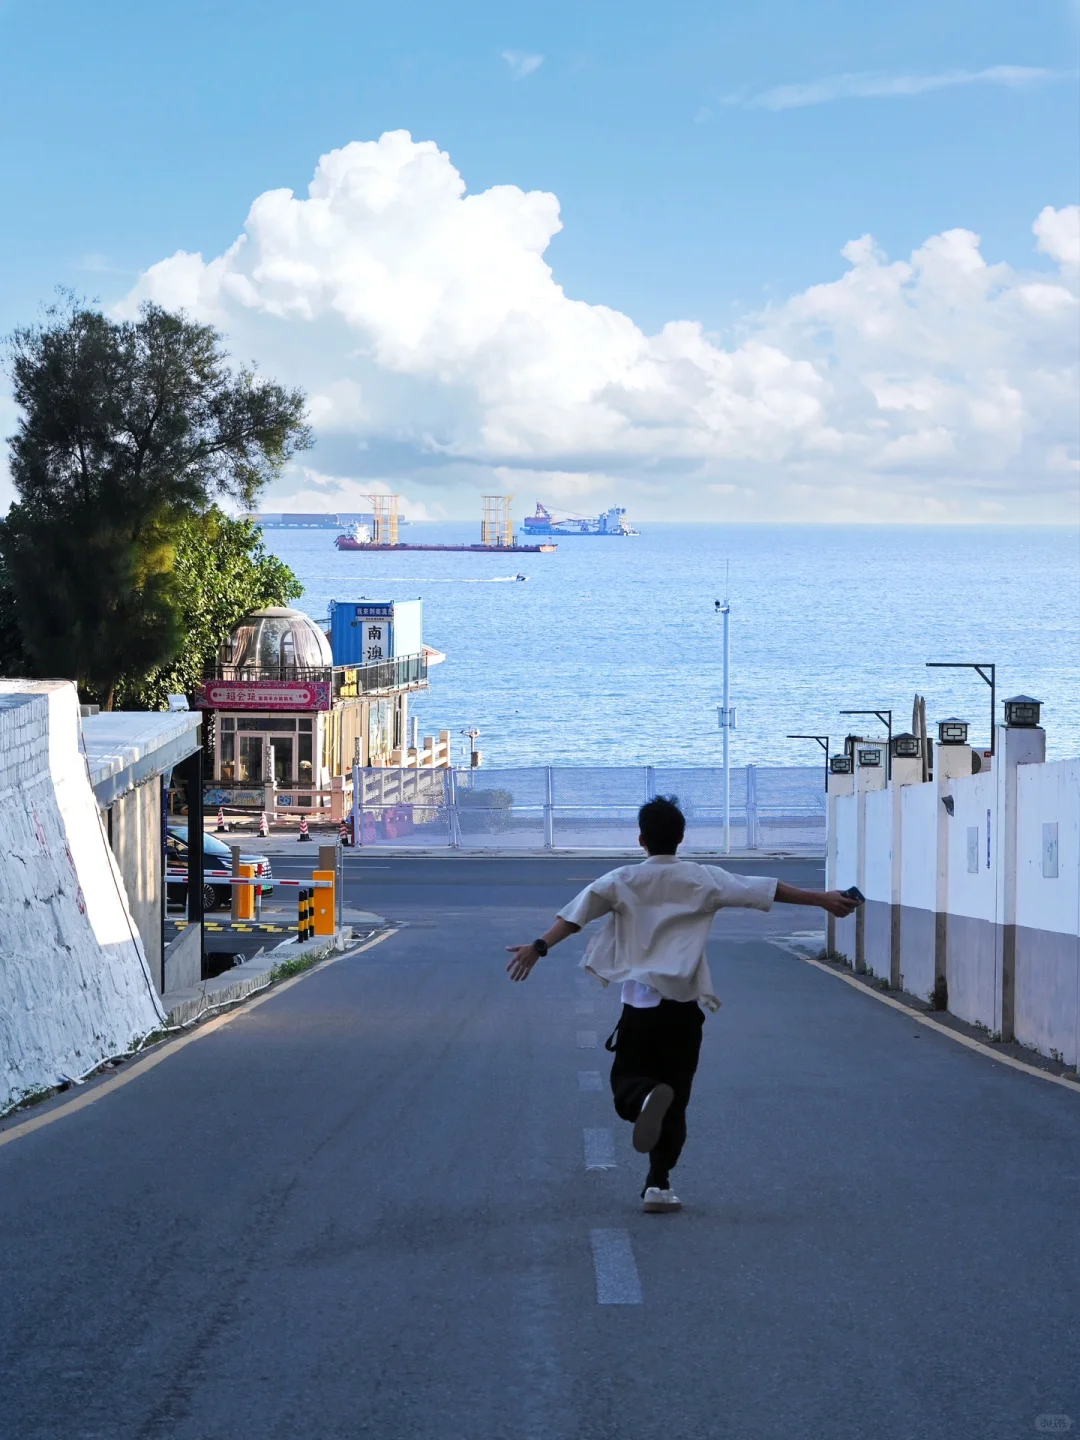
(363, 1209)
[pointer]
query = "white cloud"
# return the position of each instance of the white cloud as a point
(522, 65)
(442, 356)
(876, 85)
(1057, 234)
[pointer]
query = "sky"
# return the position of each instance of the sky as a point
(803, 258)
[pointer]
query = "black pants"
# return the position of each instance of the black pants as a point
(653, 1047)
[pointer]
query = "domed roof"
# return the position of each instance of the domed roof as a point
(276, 642)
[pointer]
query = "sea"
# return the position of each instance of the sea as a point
(609, 651)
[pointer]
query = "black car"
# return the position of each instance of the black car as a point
(217, 869)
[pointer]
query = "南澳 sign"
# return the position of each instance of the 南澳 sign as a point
(264, 695)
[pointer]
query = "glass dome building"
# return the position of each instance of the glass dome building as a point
(275, 644)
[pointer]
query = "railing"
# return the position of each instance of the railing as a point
(348, 681)
(557, 808)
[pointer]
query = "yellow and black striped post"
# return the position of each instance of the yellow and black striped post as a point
(305, 914)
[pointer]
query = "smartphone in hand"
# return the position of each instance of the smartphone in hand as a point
(854, 893)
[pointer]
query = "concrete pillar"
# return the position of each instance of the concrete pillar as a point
(1016, 745)
(837, 785)
(870, 774)
(952, 762)
(905, 771)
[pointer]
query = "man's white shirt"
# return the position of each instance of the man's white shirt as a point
(659, 913)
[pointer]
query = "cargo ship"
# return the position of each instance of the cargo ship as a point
(359, 538)
(543, 522)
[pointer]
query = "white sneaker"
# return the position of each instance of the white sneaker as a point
(650, 1122)
(659, 1202)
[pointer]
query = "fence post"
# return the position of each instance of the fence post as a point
(549, 810)
(357, 805)
(649, 784)
(751, 808)
(451, 802)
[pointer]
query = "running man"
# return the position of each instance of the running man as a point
(653, 941)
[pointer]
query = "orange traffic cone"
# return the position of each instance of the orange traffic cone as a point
(303, 828)
(264, 828)
(343, 833)
(221, 819)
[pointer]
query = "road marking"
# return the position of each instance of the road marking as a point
(930, 1024)
(172, 1047)
(586, 1039)
(599, 1150)
(617, 1281)
(589, 1080)
(583, 1007)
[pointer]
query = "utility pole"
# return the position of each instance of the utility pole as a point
(727, 714)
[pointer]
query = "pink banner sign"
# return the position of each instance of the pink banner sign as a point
(264, 695)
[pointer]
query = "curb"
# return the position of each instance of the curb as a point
(966, 1040)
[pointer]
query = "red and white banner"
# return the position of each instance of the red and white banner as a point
(264, 695)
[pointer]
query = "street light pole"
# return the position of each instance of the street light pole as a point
(823, 741)
(885, 716)
(980, 667)
(724, 609)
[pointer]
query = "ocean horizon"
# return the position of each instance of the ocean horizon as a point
(609, 652)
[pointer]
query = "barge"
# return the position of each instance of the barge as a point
(352, 541)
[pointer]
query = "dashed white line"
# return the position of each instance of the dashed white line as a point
(599, 1150)
(586, 1039)
(589, 1080)
(583, 1007)
(617, 1280)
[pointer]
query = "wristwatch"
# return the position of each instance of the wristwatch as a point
(541, 947)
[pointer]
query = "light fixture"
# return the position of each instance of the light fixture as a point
(1022, 712)
(840, 765)
(906, 746)
(870, 757)
(952, 731)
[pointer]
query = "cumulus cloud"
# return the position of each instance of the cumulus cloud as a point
(440, 353)
(522, 65)
(877, 85)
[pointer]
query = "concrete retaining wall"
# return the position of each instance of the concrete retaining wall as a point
(918, 887)
(74, 984)
(973, 951)
(878, 881)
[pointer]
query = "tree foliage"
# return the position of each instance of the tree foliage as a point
(221, 571)
(127, 432)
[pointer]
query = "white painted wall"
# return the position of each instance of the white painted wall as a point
(879, 846)
(919, 805)
(1048, 908)
(74, 984)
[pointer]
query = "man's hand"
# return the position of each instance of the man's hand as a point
(525, 957)
(838, 904)
(834, 901)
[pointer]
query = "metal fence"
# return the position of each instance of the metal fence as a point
(591, 808)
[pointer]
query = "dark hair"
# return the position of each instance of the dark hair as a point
(662, 825)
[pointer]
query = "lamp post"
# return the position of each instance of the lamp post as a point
(980, 667)
(823, 741)
(885, 716)
(726, 716)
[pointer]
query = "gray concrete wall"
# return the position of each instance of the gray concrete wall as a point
(182, 960)
(917, 932)
(1047, 1000)
(972, 969)
(135, 835)
(877, 937)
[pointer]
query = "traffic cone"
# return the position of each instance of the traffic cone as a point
(221, 819)
(303, 828)
(343, 833)
(264, 828)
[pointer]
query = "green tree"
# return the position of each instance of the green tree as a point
(126, 431)
(221, 571)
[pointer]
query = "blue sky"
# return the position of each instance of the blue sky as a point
(694, 182)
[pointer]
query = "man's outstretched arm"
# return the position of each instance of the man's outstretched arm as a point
(834, 901)
(526, 956)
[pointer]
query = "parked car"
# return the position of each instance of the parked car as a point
(217, 867)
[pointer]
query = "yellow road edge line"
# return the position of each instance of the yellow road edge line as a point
(172, 1047)
(936, 1025)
